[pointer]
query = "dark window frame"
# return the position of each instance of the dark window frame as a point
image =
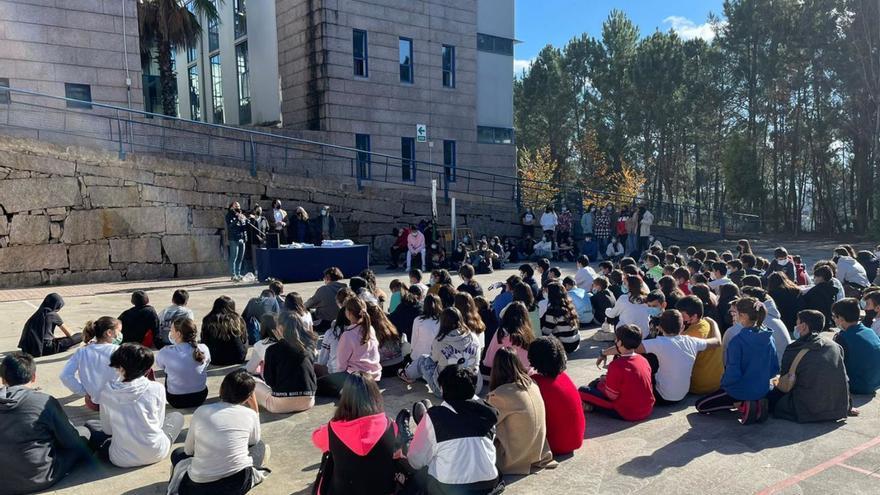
(448, 66)
(68, 93)
(408, 163)
(494, 44)
(5, 96)
(495, 135)
(406, 68)
(363, 143)
(450, 150)
(360, 64)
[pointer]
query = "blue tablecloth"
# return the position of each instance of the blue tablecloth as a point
(308, 264)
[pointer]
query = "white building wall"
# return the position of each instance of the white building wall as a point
(495, 71)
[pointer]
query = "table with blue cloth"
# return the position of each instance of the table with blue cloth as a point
(308, 264)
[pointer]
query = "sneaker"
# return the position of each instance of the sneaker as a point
(404, 432)
(419, 409)
(749, 411)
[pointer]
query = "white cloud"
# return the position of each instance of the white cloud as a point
(688, 29)
(520, 66)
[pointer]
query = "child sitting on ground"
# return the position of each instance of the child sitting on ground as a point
(394, 287)
(170, 314)
(565, 416)
(134, 429)
(186, 366)
(290, 381)
(625, 392)
(88, 370)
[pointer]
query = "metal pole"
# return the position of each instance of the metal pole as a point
(119, 132)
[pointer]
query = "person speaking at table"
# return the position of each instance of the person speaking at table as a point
(236, 234)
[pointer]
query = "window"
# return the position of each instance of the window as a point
(239, 13)
(362, 143)
(494, 44)
(195, 108)
(78, 92)
(494, 135)
(359, 50)
(448, 66)
(5, 96)
(244, 89)
(191, 53)
(408, 157)
(406, 60)
(217, 90)
(214, 32)
(449, 160)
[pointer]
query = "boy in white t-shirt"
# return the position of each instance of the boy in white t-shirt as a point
(671, 356)
(223, 452)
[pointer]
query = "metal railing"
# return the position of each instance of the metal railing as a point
(69, 121)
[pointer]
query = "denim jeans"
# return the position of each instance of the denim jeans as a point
(236, 256)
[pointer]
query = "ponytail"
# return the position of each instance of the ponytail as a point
(188, 333)
(357, 307)
(97, 328)
(753, 309)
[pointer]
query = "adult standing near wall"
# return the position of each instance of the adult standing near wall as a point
(646, 220)
(257, 229)
(528, 223)
(324, 226)
(236, 235)
(278, 221)
(603, 228)
(632, 232)
(588, 221)
(549, 221)
(298, 226)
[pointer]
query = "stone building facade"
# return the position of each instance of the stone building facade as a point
(72, 47)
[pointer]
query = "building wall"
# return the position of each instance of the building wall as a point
(262, 62)
(321, 92)
(46, 43)
(79, 215)
(495, 71)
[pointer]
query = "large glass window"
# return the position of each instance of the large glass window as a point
(494, 44)
(214, 32)
(81, 92)
(448, 66)
(449, 160)
(406, 60)
(362, 143)
(407, 159)
(191, 53)
(359, 50)
(494, 135)
(195, 107)
(239, 12)
(244, 89)
(217, 89)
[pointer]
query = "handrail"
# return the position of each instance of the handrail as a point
(509, 187)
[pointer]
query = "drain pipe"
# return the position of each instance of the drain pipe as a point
(127, 71)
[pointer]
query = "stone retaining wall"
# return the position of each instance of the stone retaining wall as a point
(77, 215)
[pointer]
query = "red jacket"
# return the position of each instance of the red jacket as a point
(565, 414)
(401, 241)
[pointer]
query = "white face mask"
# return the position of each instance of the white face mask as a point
(782, 262)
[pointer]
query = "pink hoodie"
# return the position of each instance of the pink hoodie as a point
(416, 242)
(353, 356)
(359, 435)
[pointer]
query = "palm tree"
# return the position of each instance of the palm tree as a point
(165, 25)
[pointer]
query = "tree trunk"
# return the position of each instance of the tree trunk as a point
(167, 78)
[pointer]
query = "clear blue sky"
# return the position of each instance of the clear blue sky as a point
(542, 22)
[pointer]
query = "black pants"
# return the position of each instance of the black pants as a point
(331, 385)
(396, 252)
(61, 344)
(186, 401)
(235, 484)
(718, 400)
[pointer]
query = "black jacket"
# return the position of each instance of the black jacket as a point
(37, 441)
(821, 391)
(40, 327)
(403, 317)
(821, 297)
(137, 321)
(289, 371)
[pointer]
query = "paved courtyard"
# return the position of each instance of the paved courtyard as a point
(676, 451)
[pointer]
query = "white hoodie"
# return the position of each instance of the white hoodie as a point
(134, 413)
(88, 370)
(850, 270)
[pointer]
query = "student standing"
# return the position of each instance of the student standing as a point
(88, 370)
(37, 442)
(134, 429)
(38, 335)
(223, 452)
(521, 435)
(236, 236)
(186, 366)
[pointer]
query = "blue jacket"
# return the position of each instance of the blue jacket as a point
(750, 364)
(591, 249)
(581, 300)
(501, 301)
(861, 355)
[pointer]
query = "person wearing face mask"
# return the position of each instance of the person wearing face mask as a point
(588, 221)
(821, 390)
(528, 223)
(871, 304)
(601, 299)
(415, 243)
(88, 370)
(709, 365)
(861, 347)
(563, 229)
(324, 226)
(544, 248)
(625, 392)
(278, 221)
(549, 222)
(236, 235)
(602, 228)
(632, 308)
(850, 273)
(646, 220)
(781, 263)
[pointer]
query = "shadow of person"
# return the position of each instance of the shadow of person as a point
(720, 432)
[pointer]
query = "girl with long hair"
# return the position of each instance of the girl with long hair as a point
(225, 333)
(88, 370)
(560, 319)
(521, 434)
(358, 349)
(361, 440)
(786, 294)
(465, 305)
(390, 341)
(515, 332)
(186, 366)
(290, 382)
(631, 307)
